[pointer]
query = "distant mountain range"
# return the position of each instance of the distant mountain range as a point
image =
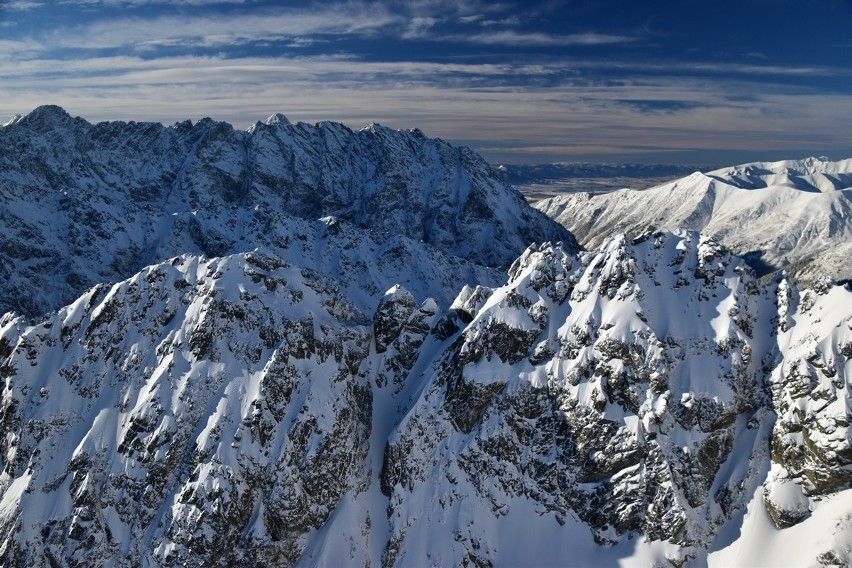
(303, 345)
(547, 180)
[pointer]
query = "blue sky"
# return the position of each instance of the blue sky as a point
(690, 81)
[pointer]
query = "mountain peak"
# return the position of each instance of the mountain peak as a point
(269, 367)
(788, 214)
(807, 174)
(207, 188)
(49, 115)
(374, 128)
(277, 118)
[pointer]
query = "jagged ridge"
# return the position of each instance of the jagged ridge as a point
(641, 405)
(83, 203)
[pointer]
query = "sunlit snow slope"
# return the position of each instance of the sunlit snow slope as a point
(795, 215)
(646, 402)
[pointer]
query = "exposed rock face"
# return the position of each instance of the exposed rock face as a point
(576, 388)
(393, 312)
(400, 329)
(96, 203)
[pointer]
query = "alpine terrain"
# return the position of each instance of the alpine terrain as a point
(303, 345)
(792, 215)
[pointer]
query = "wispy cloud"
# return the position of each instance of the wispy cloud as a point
(576, 117)
(673, 66)
(21, 5)
(509, 37)
(211, 68)
(553, 107)
(17, 47)
(465, 10)
(221, 30)
(736, 68)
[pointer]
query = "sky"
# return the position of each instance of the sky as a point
(649, 81)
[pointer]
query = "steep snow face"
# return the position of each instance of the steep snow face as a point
(792, 214)
(82, 204)
(617, 405)
(631, 392)
(806, 493)
(811, 440)
(613, 388)
(205, 412)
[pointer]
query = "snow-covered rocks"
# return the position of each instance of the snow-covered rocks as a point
(785, 500)
(304, 382)
(575, 390)
(202, 411)
(243, 410)
(811, 393)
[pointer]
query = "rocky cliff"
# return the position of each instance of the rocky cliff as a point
(242, 410)
(82, 204)
(299, 391)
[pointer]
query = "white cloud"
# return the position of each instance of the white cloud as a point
(21, 5)
(419, 26)
(17, 46)
(463, 10)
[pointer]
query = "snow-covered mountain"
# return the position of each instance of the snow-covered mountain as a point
(82, 204)
(646, 402)
(631, 392)
(793, 215)
(321, 364)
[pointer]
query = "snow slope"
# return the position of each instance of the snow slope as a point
(633, 391)
(791, 214)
